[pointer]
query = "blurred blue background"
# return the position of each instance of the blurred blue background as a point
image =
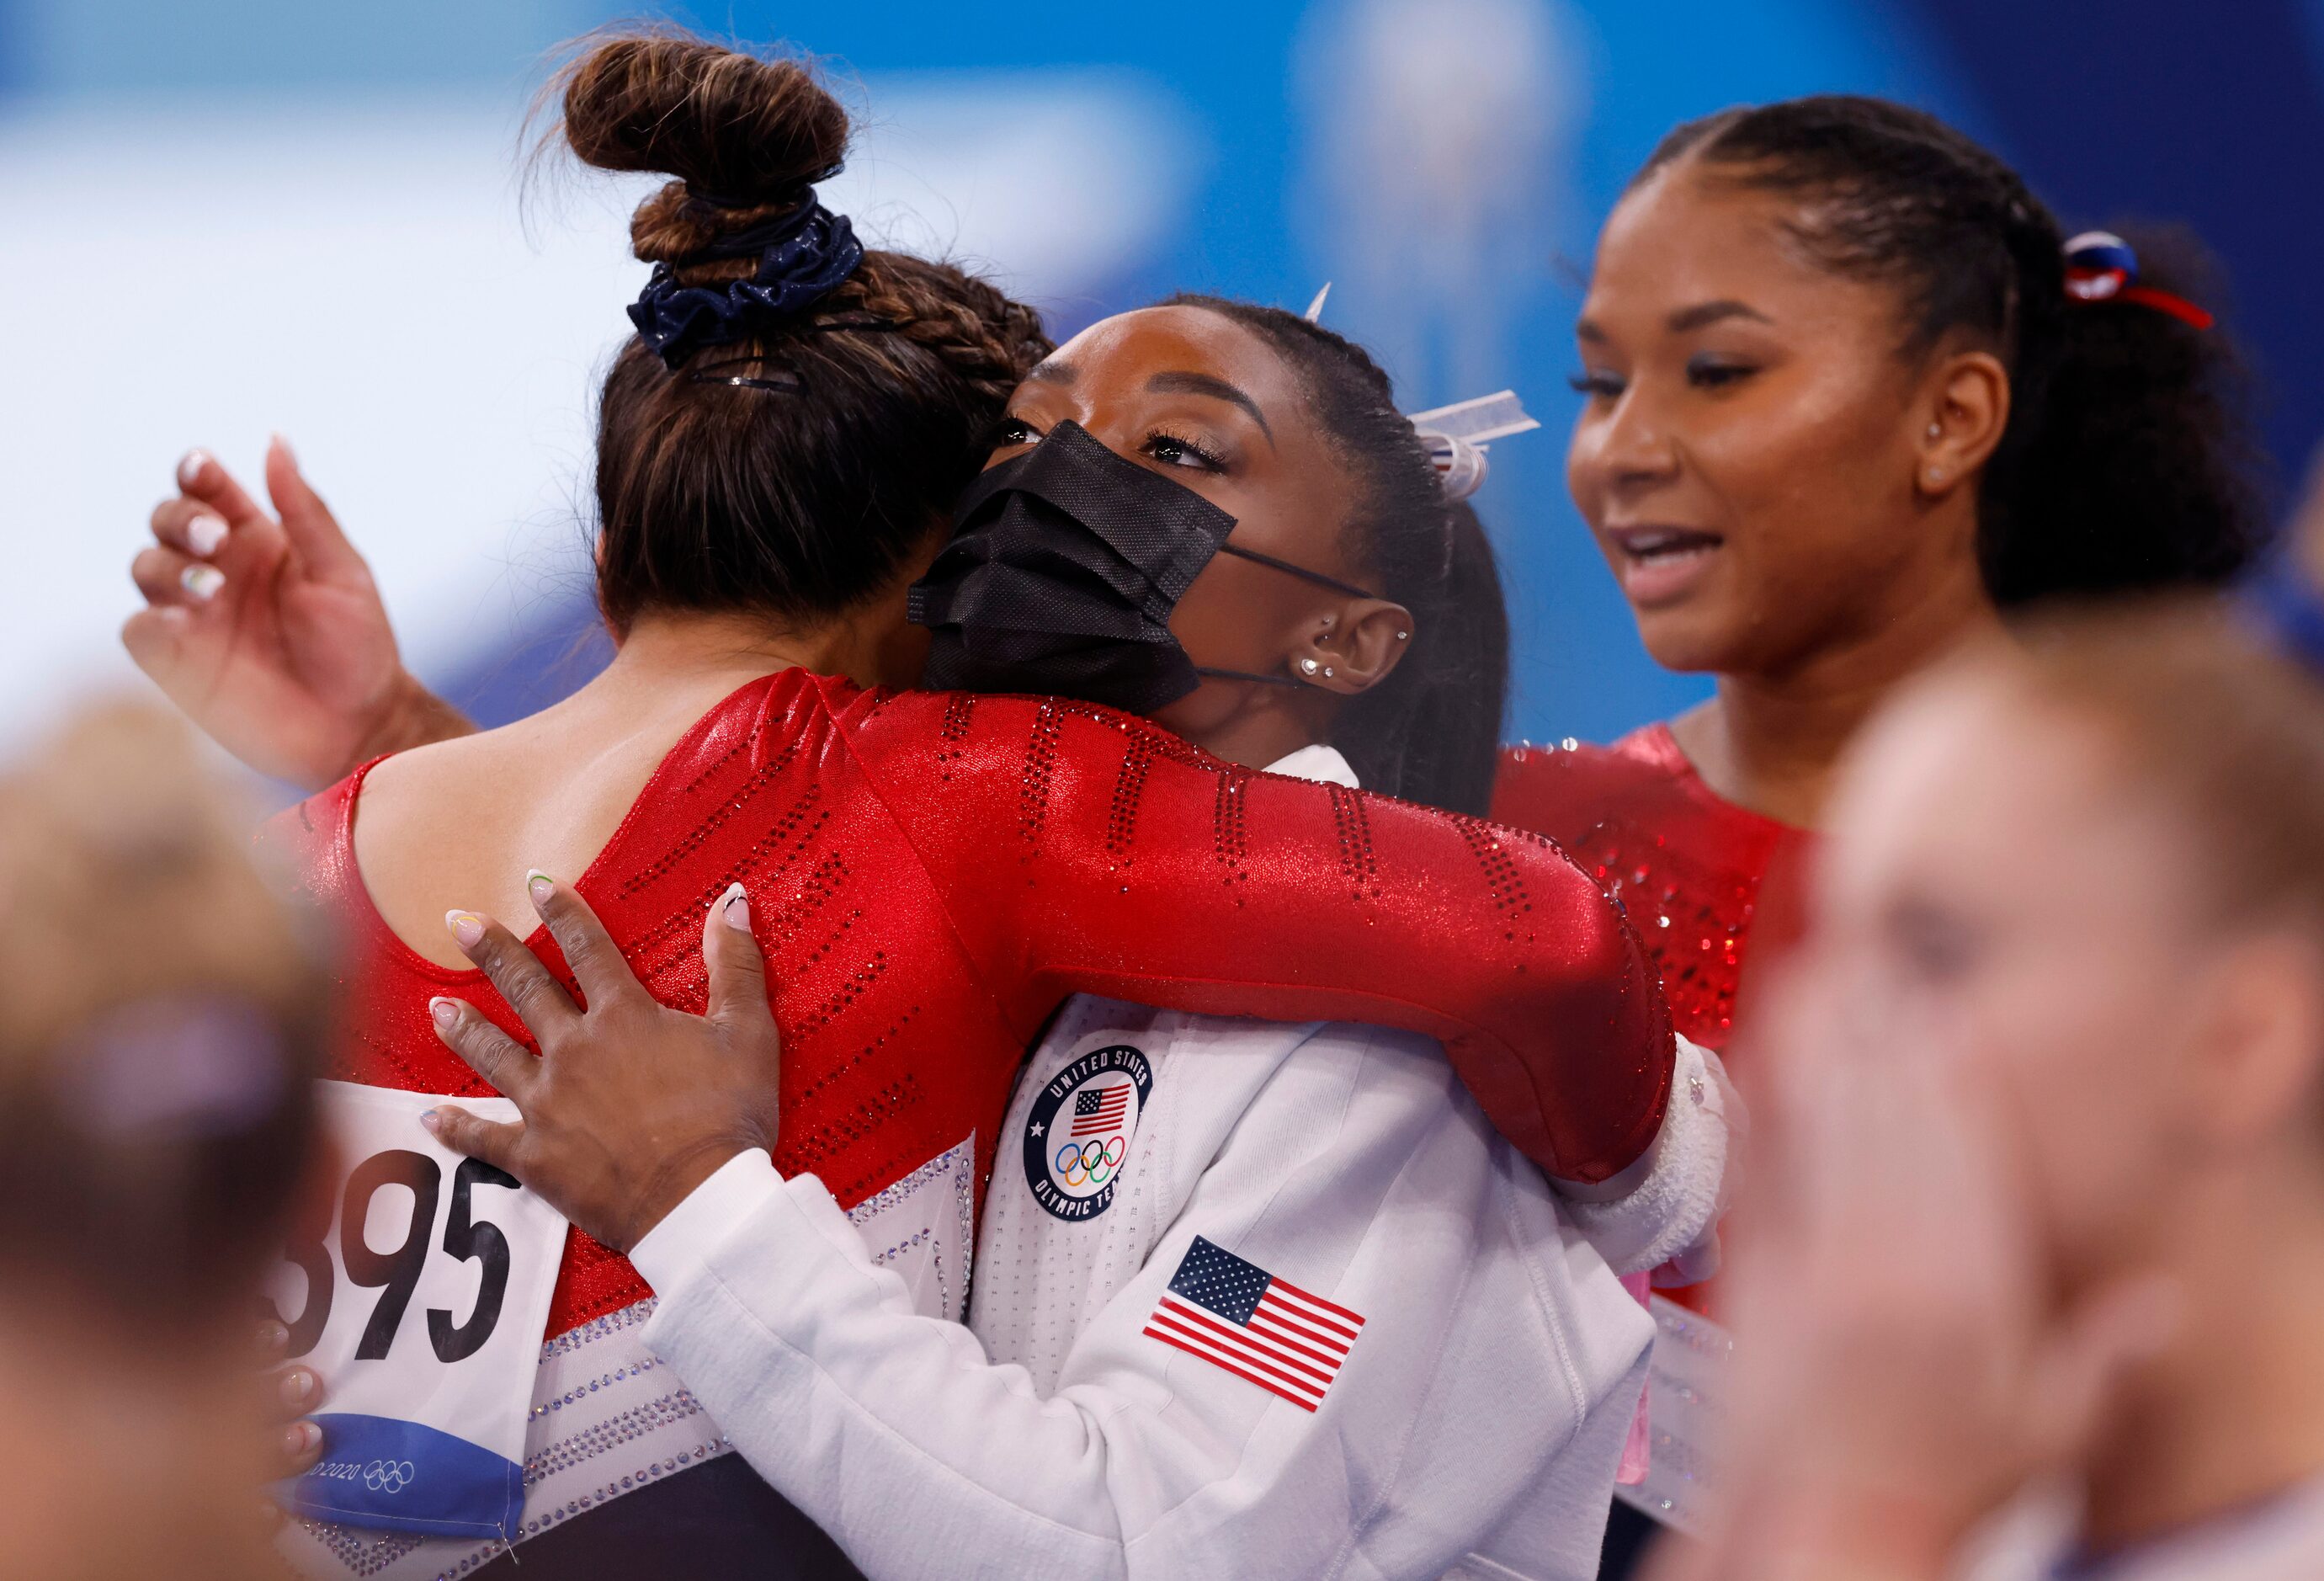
(244, 214)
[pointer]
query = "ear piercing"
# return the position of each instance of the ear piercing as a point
(1403, 636)
(1327, 672)
(1308, 667)
(1936, 431)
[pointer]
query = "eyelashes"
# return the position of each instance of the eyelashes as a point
(1007, 432)
(1702, 374)
(1163, 445)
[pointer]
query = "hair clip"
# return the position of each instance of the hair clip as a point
(1315, 313)
(1456, 437)
(2101, 267)
(717, 372)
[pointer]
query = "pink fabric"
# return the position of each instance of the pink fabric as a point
(1636, 1451)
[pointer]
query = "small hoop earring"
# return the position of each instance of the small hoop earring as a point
(1308, 667)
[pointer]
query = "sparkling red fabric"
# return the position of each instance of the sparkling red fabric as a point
(1706, 883)
(931, 873)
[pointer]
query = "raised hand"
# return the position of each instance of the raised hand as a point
(268, 630)
(629, 1104)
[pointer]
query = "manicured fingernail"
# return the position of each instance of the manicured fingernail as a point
(300, 1437)
(539, 886)
(204, 534)
(737, 909)
(192, 467)
(272, 1336)
(443, 1013)
(297, 1384)
(202, 581)
(466, 927)
(430, 1121)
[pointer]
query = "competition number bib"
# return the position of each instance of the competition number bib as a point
(419, 1291)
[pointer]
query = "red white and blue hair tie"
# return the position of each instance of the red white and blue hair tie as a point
(2101, 267)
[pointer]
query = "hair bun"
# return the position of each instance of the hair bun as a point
(741, 134)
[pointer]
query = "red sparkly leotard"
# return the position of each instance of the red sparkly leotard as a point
(1688, 864)
(1693, 870)
(931, 873)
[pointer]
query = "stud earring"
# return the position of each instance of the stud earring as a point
(1936, 476)
(1403, 636)
(1936, 431)
(1308, 667)
(1327, 672)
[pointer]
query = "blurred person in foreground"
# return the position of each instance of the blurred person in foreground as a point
(156, 1038)
(2041, 1263)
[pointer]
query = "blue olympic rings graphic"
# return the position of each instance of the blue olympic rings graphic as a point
(1090, 1163)
(389, 1476)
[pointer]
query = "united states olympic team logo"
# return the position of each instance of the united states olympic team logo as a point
(1077, 1141)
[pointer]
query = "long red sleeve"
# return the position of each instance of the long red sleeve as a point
(1079, 850)
(931, 874)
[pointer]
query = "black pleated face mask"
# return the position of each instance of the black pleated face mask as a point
(1064, 567)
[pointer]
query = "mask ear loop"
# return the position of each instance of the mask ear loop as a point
(1247, 675)
(1288, 570)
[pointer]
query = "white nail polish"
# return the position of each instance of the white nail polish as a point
(735, 908)
(192, 467)
(204, 534)
(202, 581)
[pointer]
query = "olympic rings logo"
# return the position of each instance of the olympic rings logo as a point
(1090, 1163)
(389, 1476)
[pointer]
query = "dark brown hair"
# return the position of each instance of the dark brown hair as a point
(796, 502)
(2129, 461)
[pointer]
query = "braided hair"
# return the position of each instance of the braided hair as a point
(2128, 461)
(1431, 732)
(792, 472)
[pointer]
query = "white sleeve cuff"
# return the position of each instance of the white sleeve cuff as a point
(1688, 1178)
(675, 1249)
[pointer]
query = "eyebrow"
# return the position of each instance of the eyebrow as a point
(1707, 313)
(1218, 389)
(1700, 316)
(1054, 373)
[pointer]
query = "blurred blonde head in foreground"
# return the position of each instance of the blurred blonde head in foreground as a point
(156, 1040)
(2043, 1193)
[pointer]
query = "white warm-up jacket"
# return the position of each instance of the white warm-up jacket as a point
(1249, 1299)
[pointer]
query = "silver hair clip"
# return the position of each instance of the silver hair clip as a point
(1456, 437)
(1315, 313)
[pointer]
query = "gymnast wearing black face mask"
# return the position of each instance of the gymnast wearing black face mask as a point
(1063, 575)
(1149, 537)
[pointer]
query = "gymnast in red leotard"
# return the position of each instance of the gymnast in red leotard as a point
(1849, 394)
(929, 874)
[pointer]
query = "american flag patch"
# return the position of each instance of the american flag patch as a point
(1099, 1110)
(1237, 1316)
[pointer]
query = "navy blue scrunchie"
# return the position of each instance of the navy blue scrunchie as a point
(803, 255)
